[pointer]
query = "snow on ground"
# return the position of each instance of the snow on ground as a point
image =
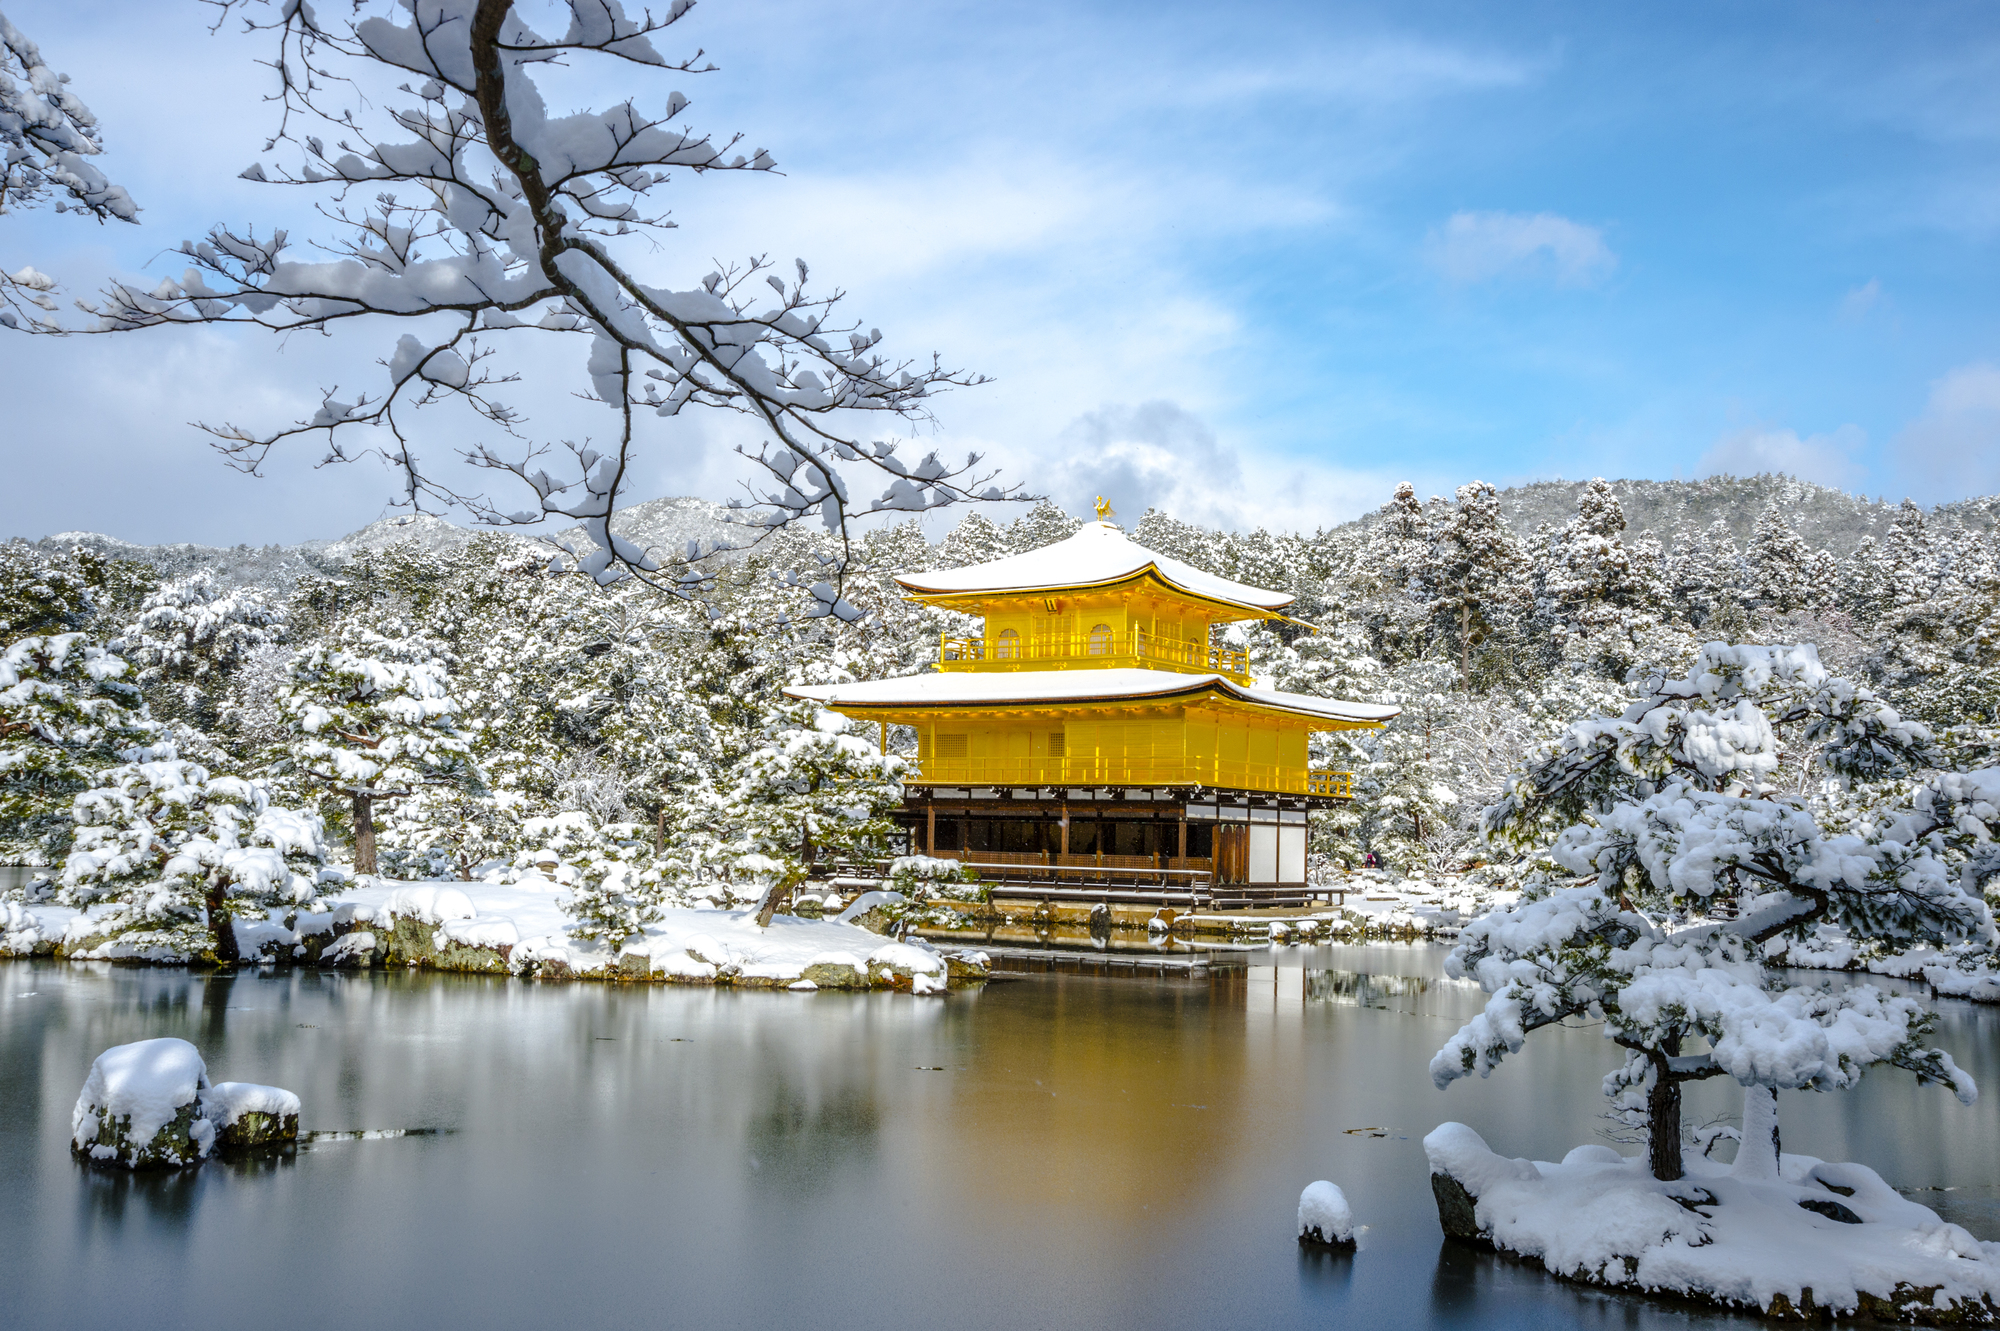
(27, 931)
(1832, 1233)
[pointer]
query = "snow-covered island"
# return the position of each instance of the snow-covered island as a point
(523, 929)
(1792, 1238)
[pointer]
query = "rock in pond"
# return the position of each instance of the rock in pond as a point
(150, 1105)
(1325, 1219)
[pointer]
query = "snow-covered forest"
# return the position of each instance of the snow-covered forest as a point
(450, 704)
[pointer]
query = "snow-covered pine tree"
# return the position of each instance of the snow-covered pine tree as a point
(812, 794)
(66, 714)
(373, 719)
(1184, 541)
(168, 856)
(1411, 812)
(1332, 662)
(1604, 599)
(1783, 573)
(188, 638)
(1044, 524)
(1695, 863)
(975, 540)
(616, 883)
(1475, 577)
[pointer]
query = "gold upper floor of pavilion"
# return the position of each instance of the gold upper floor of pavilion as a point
(1095, 601)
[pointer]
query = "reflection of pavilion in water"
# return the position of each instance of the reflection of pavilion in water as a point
(1093, 741)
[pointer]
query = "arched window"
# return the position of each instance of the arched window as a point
(1009, 647)
(1100, 640)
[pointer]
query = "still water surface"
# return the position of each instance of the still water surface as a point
(1054, 1152)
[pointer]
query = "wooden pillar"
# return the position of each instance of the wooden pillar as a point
(882, 740)
(1064, 825)
(930, 829)
(1183, 851)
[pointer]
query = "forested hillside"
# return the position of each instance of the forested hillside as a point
(458, 702)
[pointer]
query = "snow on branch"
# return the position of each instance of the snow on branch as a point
(472, 221)
(46, 132)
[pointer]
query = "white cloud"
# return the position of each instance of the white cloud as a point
(1828, 459)
(1953, 448)
(1159, 454)
(1858, 303)
(1477, 247)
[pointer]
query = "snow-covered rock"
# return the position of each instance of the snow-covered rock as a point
(150, 1105)
(1325, 1218)
(1818, 1239)
(141, 1107)
(246, 1116)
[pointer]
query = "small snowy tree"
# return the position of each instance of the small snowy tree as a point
(373, 720)
(46, 133)
(176, 854)
(1696, 863)
(66, 714)
(616, 886)
(812, 794)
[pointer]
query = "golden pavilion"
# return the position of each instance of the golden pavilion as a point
(1093, 742)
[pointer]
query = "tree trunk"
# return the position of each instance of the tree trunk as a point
(1757, 1154)
(364, 834)
(1663, 1118)
(1465, 646)
(774, 894)
(220, 924)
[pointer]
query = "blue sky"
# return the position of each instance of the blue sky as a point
(1252, 263)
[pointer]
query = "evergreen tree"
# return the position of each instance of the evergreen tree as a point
(188, 638)
(812, 794)
(66, 714)
(373, 721)
(170, 856)
(975, 540)
(1696, 862)
(1783, 573)
(1475, 575)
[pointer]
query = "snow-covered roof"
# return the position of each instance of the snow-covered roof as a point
(1026, 687)
(1099, 553)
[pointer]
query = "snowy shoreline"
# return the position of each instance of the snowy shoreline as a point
(1805, 1240)
(521, 930)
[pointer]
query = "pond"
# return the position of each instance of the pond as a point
(1059, 1151)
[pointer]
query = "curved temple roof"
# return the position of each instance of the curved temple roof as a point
(1029, 687)
(1100, 553)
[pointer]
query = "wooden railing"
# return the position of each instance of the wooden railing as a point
(1339, 785)
(1139, 648)
(1135, 770)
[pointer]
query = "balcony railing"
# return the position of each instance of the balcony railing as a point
(1103, 650)
(1337, 785)
(1132, 770)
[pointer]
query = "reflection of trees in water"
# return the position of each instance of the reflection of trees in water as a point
(1398, 993)
(798, 1141)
